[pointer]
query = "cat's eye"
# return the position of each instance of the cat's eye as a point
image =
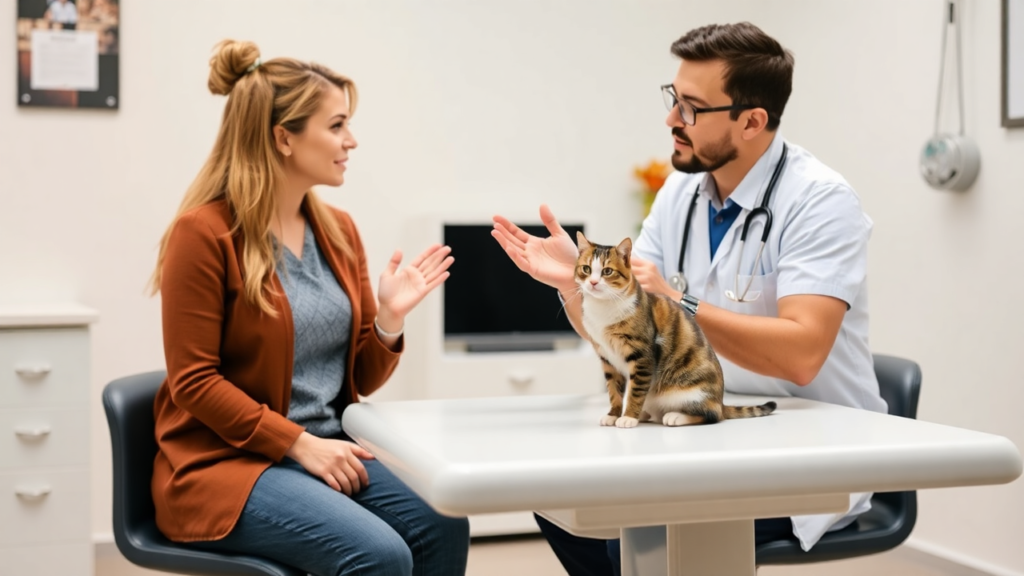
(606, 272)
(586, 269)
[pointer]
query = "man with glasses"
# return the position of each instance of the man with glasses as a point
(786, 312)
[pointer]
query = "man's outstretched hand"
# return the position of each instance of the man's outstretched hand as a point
(550, 260)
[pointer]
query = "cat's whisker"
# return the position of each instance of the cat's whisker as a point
(575, 294)
(619, 297)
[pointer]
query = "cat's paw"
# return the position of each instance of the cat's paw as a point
(679, 419)
(608, 420)
(626, 422)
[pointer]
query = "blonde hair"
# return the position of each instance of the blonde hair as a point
(245, 167)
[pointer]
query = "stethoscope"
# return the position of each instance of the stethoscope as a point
(678, 280)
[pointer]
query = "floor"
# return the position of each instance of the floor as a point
(515, 556)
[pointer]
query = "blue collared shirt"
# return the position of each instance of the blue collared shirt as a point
(719, 222)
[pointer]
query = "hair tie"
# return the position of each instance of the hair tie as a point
(253, 66)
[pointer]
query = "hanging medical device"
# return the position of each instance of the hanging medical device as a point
(950, 161)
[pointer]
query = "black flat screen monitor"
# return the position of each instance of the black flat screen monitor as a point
(493, 306)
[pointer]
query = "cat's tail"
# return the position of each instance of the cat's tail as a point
(748, 411)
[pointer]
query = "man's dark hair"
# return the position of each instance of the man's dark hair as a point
(758, 70)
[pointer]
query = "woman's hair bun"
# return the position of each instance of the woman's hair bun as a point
(231, 60)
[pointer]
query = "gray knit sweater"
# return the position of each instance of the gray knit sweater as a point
(322, 316)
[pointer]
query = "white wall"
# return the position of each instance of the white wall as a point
(942, 266)
(471, 108)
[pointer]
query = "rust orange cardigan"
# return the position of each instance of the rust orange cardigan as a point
(221, 415)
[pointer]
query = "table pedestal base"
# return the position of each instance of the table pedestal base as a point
(699, 538)
(705, 549)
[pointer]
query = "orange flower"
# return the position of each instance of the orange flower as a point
(652, 175)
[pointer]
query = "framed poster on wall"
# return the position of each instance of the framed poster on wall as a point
(68, 53)
(1013, 63)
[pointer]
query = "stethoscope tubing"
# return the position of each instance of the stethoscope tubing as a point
(763, 209)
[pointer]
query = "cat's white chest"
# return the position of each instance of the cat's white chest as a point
(598, 315)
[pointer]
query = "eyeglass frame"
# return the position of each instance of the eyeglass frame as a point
(671, 91)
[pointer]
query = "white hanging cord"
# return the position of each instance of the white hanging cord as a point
(953, 20)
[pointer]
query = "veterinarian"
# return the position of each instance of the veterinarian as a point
(785, 303)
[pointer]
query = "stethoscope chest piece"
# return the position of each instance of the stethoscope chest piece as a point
(678, 282)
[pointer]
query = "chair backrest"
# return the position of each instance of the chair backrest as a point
(128, 403)
(899, 381)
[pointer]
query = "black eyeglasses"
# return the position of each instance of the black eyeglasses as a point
(688, 112)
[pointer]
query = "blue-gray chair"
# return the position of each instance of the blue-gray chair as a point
(892, 514)
(128, 403)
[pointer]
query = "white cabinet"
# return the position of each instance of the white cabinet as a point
(44, 441)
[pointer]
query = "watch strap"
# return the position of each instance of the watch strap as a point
(690, 304)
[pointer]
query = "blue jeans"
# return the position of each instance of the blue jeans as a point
(385, 529)
(592, 557)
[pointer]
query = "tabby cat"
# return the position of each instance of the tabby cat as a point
(656, 359)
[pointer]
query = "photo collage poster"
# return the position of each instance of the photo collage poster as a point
(68, 53)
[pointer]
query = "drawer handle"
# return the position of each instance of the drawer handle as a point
(32, 493)
(32, 372)
(32, 432)
(520, 379)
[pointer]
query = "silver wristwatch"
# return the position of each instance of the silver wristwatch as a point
(689, 303)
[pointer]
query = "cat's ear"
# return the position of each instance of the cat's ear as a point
(624, 249)
(581, 241)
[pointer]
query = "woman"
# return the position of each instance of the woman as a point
(271, 330)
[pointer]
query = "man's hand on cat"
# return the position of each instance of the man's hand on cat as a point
(401, 290)
(550, 260)
(650, 279)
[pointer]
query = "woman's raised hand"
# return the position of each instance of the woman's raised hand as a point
(400, 290)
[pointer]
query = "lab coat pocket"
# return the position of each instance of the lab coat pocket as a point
(758, 295)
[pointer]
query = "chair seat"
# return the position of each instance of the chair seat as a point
(879, 520)
(149, 548)
(882, 528)
(892, 514)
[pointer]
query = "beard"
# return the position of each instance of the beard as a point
(716, 155)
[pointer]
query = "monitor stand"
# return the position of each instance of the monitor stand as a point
(484, 343)
(510, 346)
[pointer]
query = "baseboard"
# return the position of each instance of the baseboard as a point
(103, 544)
(948, 561)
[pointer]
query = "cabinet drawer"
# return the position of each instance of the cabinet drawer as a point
(71, 559)
(513, 374)
(44, 506)
(38, 437)
(44, 366)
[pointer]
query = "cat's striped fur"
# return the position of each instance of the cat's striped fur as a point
(657, 362)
